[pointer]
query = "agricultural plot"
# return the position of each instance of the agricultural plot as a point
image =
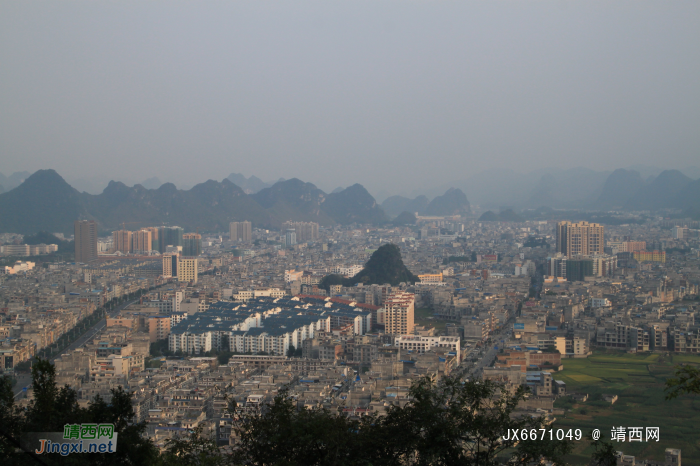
(638, 380)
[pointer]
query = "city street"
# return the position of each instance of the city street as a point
(95, 329)
(489, 352)
(24, 379)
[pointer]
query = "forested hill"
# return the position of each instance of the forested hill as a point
(384, 266)
(46, 202)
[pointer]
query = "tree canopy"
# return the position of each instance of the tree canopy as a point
(384, 266)
(445, 422)
(53, 407)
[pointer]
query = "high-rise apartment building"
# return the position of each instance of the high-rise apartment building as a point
(578, 269)
(169, 236)
(556, 265)
(398, 313)
(241, 231)
(679, 232)
(122, 240)
(580, 239)
(191, 244)
(170, 265)
(290, 237)
(141, 241)
(155, 243)
(85, 240)
(187, 270)
(305, 231)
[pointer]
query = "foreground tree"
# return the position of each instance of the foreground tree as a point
(195, 449)
(446, 423)
(134, 448)
(454, 422)
(53, 408)
(685, 382)
(10, 424)
(281, 434)
(604, 454)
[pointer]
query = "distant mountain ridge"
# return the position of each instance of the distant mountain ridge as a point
(507, 215)
(394, 205)
(354, 204)
(11, 182)
(453, 202)
(404, 218)
(619, 188)
(660, 193)
(46, 202)
(294, 200)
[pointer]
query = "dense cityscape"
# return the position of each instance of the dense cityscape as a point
(349, 233)
(189, 322)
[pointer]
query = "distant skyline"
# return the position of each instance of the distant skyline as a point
(401, 97)
(479, 187)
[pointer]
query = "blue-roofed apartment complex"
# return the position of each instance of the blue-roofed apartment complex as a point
(264, 324)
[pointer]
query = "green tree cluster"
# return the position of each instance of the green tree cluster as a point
(450, 422)
(447, 423)
(384, 266)
(293, 352)
(44, 237)
(53, 407)
(685, 382)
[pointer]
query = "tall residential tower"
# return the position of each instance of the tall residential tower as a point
(85, 240)
(580, 239)
(241, 231)
(398, 313)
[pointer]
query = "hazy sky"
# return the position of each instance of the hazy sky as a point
(385, 93)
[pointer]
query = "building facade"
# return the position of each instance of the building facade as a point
(158, 327)
(580, 239)
(421, 344)
(122, 240)
(305, 231)
(191, 244)
(290, 237)
(187, 270)
(241, 231)
(169, 236)
(141, 241)
(85, 240)
(650, 256)
(170, 265)
(399, 313)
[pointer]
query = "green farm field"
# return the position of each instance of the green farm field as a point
(638, 380)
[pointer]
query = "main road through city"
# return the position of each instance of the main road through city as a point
(489, 352)
(24, 379)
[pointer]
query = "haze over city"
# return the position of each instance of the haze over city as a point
(343, 92)
(386, 233)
